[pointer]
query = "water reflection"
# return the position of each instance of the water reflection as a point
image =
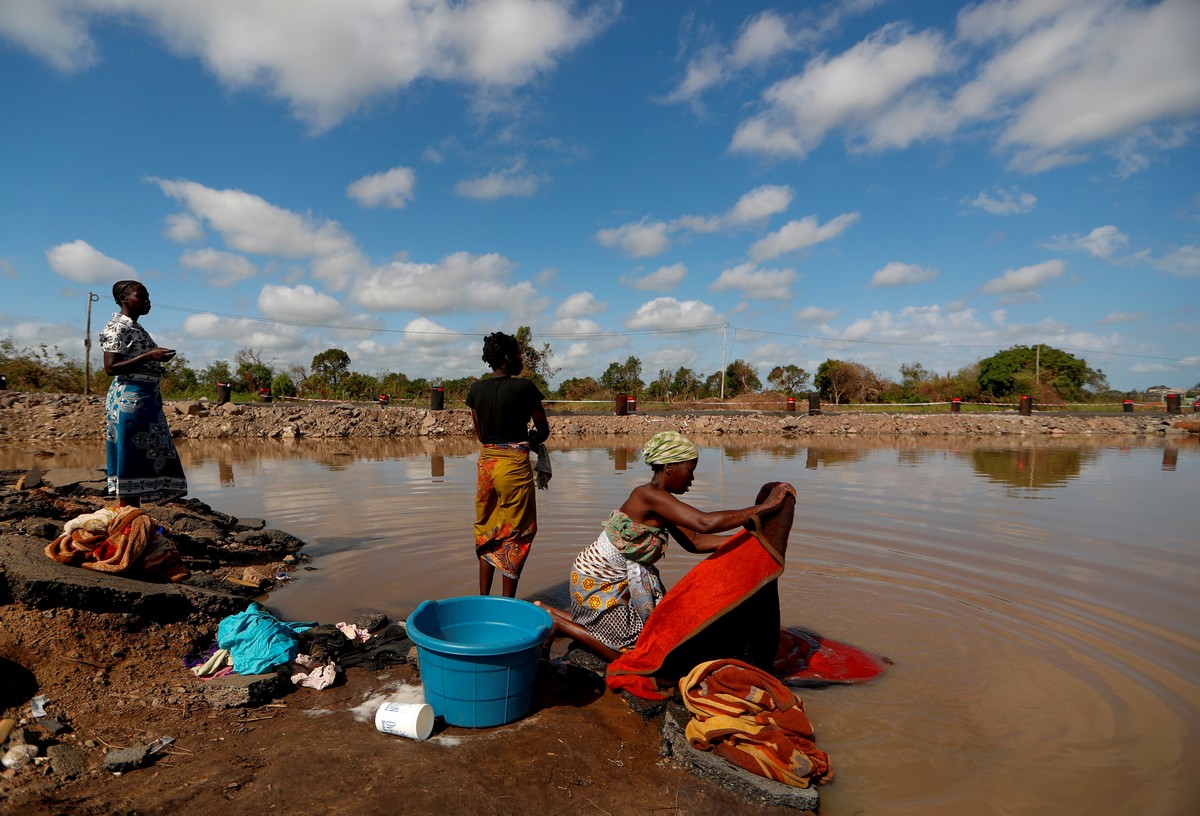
(437, 466)
(1031, 468)
(830, 457)
(1170, 458)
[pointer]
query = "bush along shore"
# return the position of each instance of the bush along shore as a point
(31, 416)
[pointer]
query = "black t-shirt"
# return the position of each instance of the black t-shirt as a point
(504, 406)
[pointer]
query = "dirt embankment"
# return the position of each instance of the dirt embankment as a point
(33, 416)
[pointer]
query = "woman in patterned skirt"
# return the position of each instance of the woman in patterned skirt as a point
(502, 408)
(141, 458)
(614, 583)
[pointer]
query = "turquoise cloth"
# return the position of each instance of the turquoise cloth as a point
(257, 640)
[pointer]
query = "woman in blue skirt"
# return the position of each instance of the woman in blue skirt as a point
(141, 458)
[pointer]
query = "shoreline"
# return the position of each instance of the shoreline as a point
(29, 416)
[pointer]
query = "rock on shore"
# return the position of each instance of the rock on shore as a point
(26, 416)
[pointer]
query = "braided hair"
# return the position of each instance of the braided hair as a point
(121, 287)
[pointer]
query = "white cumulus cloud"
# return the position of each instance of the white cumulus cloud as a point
(641, 239)
(663, 279)
(1026, 278)
(249, 223)
(221, 268)
(248, 333)
(1001, 201)
(499, 184)
(80, 261)
(815, 315)
(459, 282)
(326, 59)
(800, 234)
(755, 282)
(902, 274)
(579, 305)
(669, 313)
(392, 188)
(1102, 242)
(302, 303)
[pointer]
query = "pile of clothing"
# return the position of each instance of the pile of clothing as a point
(255, 642)
(118, 540)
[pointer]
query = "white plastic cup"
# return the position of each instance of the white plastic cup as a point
(412, 720)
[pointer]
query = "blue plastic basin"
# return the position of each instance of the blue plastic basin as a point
(479, 657)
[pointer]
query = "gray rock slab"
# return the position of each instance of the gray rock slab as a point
(120, 760)
(68, 761)
(29, 576)
(752, 787)
(239, 691)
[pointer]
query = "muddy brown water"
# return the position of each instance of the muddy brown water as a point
(1040, 599)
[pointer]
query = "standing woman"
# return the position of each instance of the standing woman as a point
(141, 458)
(502, 406)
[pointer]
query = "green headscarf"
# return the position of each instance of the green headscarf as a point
(667, 448)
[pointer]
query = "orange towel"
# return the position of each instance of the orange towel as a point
(128, 544)
(726, 606)
(750, 719)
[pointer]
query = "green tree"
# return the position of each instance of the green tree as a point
(356, 386)
(282, 385)
(330, 366)
(660, 387)
(576, 388)
(741, 378)
(712, 385)
(252, 373)
(623, 378)
(215, 372)
(791, 379)
(1029, 369)
(393, 384)
(685, 383)
(536, 359)
(178, 377)
(45, 368)
(840, 381)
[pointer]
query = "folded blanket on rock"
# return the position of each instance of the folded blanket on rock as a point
(752, 720)
(119, 540)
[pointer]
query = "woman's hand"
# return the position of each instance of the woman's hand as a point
(160, 354)
(778, 493)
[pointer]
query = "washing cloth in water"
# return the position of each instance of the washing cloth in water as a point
(257, 640)
(725, 606)
(543, 471)
(752, 720)
(120, 540)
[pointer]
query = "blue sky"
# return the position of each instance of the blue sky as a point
(884, 182)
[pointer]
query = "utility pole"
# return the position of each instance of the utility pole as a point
(1037, 366)
(724, 346)
(87, 346)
